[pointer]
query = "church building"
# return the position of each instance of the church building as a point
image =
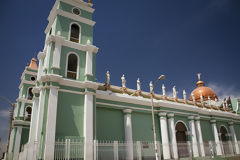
(63, 113)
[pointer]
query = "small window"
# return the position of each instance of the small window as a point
(30, 94)
(72, 66)
(28, 113)
(33, 78)
(76, 11)
(75, 31)
(50, 31)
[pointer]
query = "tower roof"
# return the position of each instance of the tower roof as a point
(33, 64)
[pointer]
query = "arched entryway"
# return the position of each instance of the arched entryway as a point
(224, 138)
(181, 138)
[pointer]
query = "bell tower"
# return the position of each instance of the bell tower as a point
(66, 80)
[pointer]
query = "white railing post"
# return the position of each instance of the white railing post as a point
(139, 150)
(189, 148)
(115, 148)
(67, 149)
(211, 149)
(159, 150)
(95, 149)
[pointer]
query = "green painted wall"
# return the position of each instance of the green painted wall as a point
(110, 124)
(81, 69)
(237, 131)
(24, 137)
(68, 8)
(70, 112)
(142, 126)
(63, 25)
(207, 133)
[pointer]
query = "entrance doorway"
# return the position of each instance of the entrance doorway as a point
(181, 137)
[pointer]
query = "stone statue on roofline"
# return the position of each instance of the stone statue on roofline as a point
(108, 78)
(193, 98)
(174, 92)
(138, 85)
(163, 90)
(184, 95)
(123, 81)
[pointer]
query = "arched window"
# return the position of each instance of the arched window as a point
(74, 33)
(72, 66)
(28, 113)
(30, 94)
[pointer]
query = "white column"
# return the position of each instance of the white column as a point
(164, 132)
(172, 133)
(128, 133)
(16, 110)
(89, 63)
(57, 53)
(88, 126)
(33, 128)
(51, 124)
(216, 137)
(17, 143)
(200, 139)
(234, 138)
(41, 56)
(22, 109)
(193, 136)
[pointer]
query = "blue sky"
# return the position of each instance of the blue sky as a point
(137, 38)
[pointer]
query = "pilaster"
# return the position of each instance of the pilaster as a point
(128, 133)
(216, 137)
(172, 134)
(17, 142)
(51, 124)
(164, 133)
(88, 126)
(199, 135)
(193, 136)
(234, 138)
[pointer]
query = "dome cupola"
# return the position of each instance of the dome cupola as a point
(201, 90)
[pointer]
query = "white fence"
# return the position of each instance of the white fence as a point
(114, 150)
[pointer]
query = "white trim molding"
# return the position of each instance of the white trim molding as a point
(70, 44)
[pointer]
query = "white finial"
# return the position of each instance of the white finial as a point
(199, 76)
(138, 84)
(108, 77)
(184, 95)
(88, 42)
(163, 90)
(193, 97)
(174, 92)
(151, 87)
(59, 33)
(216, 99)
(201, 98)
(123, 81)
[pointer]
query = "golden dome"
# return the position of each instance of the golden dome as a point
(204, 91)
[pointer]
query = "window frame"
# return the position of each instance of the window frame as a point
(78, 64)
(70, 31)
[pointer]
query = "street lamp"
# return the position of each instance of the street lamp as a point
(153, 119)
(11, 118)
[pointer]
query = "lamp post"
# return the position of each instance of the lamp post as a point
(11, 118)
(153, 119)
